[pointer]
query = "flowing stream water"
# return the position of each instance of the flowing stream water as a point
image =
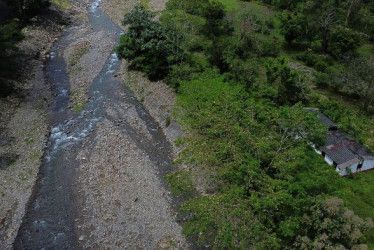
(50, 220)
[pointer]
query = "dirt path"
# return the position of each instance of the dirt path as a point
(100, 185)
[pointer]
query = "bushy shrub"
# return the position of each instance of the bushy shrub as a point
(269, 47)
(318, 62)
(149, 46)
(291, 85)
(322, 79)
(343, 40)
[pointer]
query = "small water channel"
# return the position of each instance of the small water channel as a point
(51, 214)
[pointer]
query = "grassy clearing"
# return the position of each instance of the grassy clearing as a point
(366, 49)
(78, 107)
(80, 50)
(64, 4)
(230, 5)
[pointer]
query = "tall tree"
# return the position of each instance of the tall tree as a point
(358, 80)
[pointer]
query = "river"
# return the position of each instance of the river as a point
(53, 211)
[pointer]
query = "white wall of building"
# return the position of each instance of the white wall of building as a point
(343, 171)
(368, 164)
(328, 160)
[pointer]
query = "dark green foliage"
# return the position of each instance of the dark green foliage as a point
(269, 175)
(243, 72)
(268, 47)
(9, 35)
(316, 61)
(327, 23)
(214, 14)
(291, 85)
(223, 51)
(358, 81)
(180, 183)
(149, 46)
(170, 49)
(343, 40)
(283, 4)
(295, 27)
(322, 79)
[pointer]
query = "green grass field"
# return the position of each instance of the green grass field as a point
(230, 4)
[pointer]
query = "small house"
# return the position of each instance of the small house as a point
(343, 152)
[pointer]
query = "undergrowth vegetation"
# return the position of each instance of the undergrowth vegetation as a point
(242, 98)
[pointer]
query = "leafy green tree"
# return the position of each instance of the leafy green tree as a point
(214, 14)
(329, 224)
(149, 46)
(295, 26)
(358, 80)
(343, 40)
(291, 85)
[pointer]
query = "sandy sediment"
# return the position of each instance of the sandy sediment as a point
(123, 191)
(84, 59)
(157, 5)
(116, 9)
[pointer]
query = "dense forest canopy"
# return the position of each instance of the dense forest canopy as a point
(243, 78)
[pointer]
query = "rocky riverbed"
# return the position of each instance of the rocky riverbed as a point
(107, 153)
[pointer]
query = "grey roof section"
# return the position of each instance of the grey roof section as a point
(339, 147)
(324, 119)
(343, 150)
(369, 157)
